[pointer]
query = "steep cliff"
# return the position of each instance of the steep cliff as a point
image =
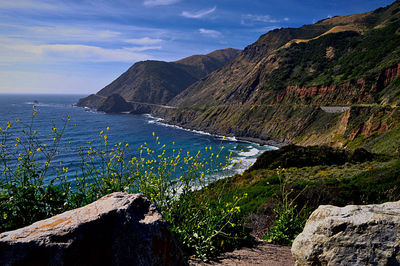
(279, 86)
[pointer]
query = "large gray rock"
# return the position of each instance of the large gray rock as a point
(352, 235)
(118, 229)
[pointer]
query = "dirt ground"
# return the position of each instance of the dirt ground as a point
(263, 254)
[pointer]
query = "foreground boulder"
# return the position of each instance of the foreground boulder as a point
(352, 235)
(118, 229)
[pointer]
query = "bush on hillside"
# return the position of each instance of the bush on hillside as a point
(299, 156)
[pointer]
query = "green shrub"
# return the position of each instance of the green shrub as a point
(288, 225)
(299, 156)
(290, 221)
(207, 227)
(24, 196)
(204, 225)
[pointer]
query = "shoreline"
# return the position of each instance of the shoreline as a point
(261, 142)
(273, 143)
(270, 142)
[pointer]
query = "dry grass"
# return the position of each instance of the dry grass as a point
(336, 29)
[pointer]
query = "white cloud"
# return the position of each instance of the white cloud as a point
(159, 2)
(46, 82)
(65, 33)
(198, 14)
(58, 33)
(250, 19)
(286, 19)
(144, 41)
(18, 51)
(210, 33)
(89, 53)
(142, 48)
(25, 4)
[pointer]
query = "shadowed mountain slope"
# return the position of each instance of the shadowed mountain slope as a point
(157, 81)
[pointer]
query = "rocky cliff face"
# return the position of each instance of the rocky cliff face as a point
(357, 91)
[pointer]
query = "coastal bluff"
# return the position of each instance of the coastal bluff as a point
(118, 229)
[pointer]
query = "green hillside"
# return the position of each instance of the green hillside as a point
(279, 87)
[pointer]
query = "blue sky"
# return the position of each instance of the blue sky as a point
(79, 46)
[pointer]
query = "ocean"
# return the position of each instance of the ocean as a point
(86, 124)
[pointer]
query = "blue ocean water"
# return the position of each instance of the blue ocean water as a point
(135, 130)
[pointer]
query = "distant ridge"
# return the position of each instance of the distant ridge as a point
(157, 82)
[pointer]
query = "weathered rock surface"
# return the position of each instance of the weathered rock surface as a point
(118, 229)
(352, 235)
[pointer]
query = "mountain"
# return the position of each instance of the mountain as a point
(157, 82)
(334, 82)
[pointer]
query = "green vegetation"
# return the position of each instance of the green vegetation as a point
(289, 196)
(353, 56)
(290, 221)
(297, 156)
(206, 221)
(204, 225)
(306, 62)
(251, 103)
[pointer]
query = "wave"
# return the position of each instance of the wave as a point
(88, 109)
(152, 119)
(245, 164)
(156, 120)
(49, 104)
(241, 161)
(252, 152)
(248, 158)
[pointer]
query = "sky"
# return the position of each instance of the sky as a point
(80, 46)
